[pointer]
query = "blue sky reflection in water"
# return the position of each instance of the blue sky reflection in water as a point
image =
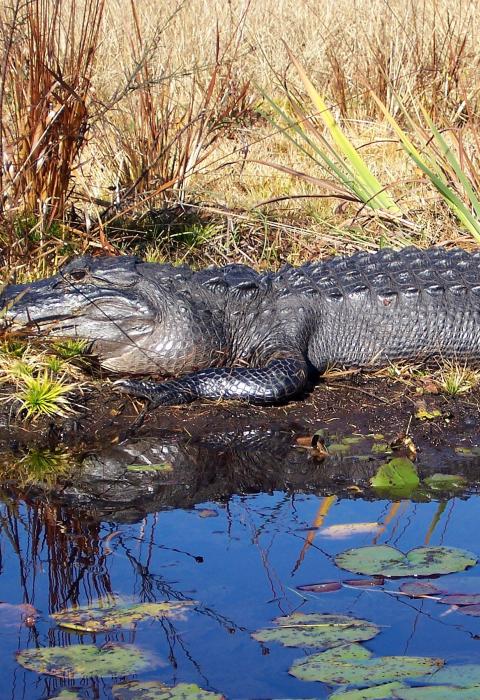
(241, 561)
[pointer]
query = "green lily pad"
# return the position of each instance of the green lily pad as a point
(398, 476)
(344, 666)
(98, 618)
(462, 675)
(67, 695)
(379, 692)
(317, 630)
(86, 660)
(155, 690)
(391, 563)
(443, 482)
(438, 692)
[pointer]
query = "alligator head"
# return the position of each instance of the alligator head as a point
(116, 304)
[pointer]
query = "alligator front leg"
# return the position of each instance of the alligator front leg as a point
(280, 379)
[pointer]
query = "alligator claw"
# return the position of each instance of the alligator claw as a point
(142, 390)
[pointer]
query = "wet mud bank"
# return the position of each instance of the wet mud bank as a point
(332, 441)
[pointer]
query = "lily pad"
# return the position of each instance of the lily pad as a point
(317, 630)
(155, 690)
(67, 695)
(467, 599)
(391, 563)
(420, 589)
(437, 692)
(461, 675)
(350, 666)
(444, 482)
(379, 692)
(91, 618)
(398, 476)
(86, 660)
(324, 587)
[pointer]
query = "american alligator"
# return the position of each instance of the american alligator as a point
(230, 332)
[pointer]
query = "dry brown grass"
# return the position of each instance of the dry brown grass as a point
(158, 107)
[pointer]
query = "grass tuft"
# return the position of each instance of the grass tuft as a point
(43, 395)
(454, 379)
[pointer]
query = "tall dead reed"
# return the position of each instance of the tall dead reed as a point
(48, 60)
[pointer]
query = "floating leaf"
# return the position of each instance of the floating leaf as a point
(97, 618)
(86, 660)
(326, 587)
(155, 690)
(399, 476)
(67, 695)
(364, 582)
(438, 692)
(391, 563)
(473, 610)
(443, 482)
(379, 692)
(354, 665)
(463, 675)
(161, 467)
(317, 630)
(344, 530)
(461, 599)
(419, 589)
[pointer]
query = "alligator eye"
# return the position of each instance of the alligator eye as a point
(78, 275)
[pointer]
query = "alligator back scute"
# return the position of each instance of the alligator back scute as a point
(434, 270)
(234, 280)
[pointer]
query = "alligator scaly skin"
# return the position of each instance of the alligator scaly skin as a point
(233, 333)
(360, 311)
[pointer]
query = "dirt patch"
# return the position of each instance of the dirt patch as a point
(362, 404)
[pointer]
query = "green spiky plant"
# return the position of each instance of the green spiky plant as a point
(42, 395)
(349, 176)
(446, 165)
(70, 348)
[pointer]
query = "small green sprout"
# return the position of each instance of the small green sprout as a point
(70, 348)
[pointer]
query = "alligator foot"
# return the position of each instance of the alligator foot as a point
(156, 393)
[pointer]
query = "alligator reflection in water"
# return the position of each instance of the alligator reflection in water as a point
(172, 470)
(82, 543)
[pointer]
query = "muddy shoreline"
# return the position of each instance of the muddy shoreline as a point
(361, 404)
(215, 450)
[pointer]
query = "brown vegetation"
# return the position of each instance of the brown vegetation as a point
(147, 126)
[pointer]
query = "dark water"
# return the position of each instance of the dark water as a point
(231, 528)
